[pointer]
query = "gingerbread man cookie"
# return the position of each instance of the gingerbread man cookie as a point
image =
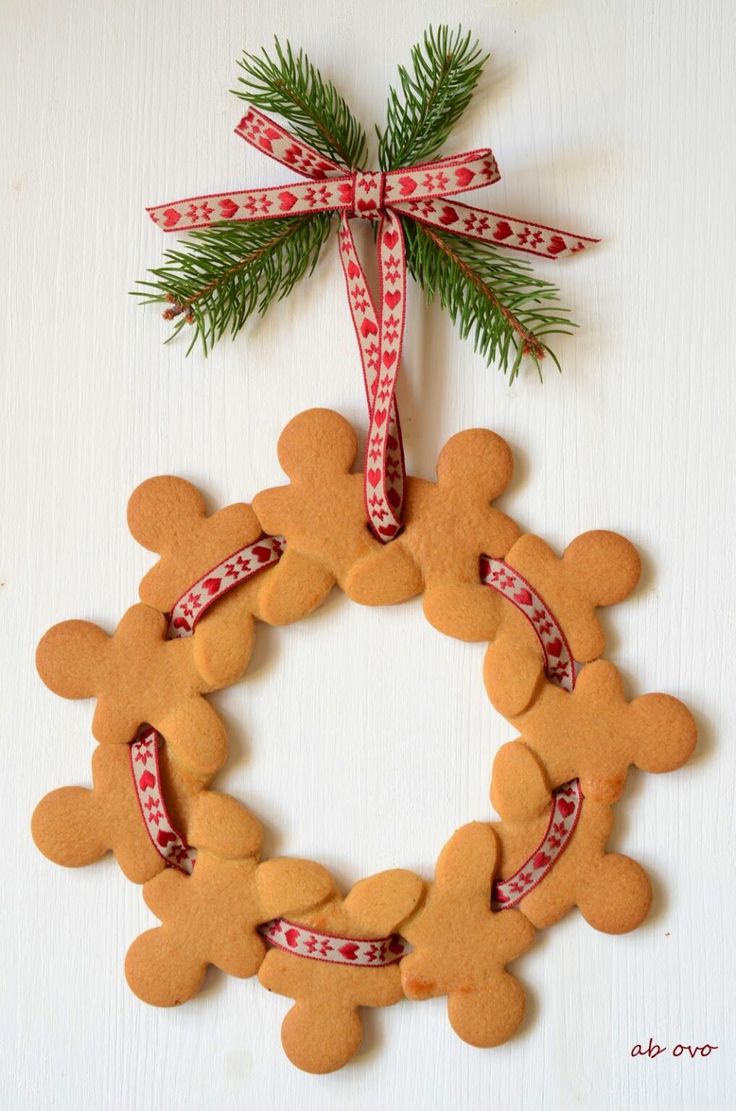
(321, 514)
(137, 677)
(461, 947)
(448, 526)
(167, 515)
(553, 851)
(593, 734)
(323, 1029)
(212, 916)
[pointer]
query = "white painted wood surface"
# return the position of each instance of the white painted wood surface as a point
(611, 118)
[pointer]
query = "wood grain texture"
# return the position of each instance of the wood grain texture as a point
(615, 119)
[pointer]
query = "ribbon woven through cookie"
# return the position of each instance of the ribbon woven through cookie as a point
(359, 952)
(559, 665)
(567, 804)
(237, 568)
(220, 580)
(419, 193)
(165, 838)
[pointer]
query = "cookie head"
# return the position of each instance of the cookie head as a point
(604, 566)
(476, 461)
(68, 827)
(70, 658)
(162, 509)
(316, 443)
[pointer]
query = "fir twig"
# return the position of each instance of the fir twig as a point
(225, 273)
(492, 297)
(289, 85)
(419, 118)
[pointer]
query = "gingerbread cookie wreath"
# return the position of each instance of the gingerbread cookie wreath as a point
(152, 804)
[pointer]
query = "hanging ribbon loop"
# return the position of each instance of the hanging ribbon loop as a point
(418, 193)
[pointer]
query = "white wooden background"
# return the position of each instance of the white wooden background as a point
(612, 118)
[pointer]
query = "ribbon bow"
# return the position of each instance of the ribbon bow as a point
(420, 192)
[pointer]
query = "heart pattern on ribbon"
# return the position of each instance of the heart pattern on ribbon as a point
(301, 941)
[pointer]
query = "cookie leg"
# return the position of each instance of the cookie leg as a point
(67, 827)
(321, 1036)
(489, 1016)
(162, 970)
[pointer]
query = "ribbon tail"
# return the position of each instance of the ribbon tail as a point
(301, 198)
(384, 470)
(384, 448)
(495, 228)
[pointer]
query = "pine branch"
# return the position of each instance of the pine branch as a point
(225, 273)
(289, 85)
(419, 117)
(492, 297)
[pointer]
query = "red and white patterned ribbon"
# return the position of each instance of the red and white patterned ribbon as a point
(559, 664)
(560, 669)
(418, 192)
(356, 951)
(187, 611)
(166, 840)
(220, 580)
(567, 804)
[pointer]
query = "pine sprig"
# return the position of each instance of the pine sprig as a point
(223, 274)
(494, 299)
(446, 67)
(289, 85)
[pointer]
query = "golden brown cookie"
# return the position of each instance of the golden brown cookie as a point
(553, 851)
(321, 513)
(323, 1029)
(212, 916)
(75, 826)
(593, 733)
(137, 677)
(448, 525)
(461, 947)
(167, 515)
